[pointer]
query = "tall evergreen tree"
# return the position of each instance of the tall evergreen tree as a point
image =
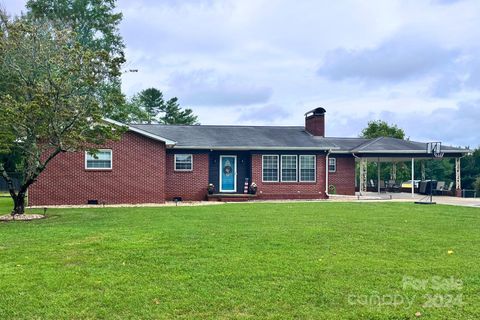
(173, 114)
(149, 106)
(151, 101)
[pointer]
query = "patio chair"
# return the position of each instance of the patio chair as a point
(382, 186)
(393, 186)
(448, 190)
(439, 188)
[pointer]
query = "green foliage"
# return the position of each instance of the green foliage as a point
(49, 99)
(476, 184)
(95, 24)
(149, 106)
(150, 101)
(175, 115)
(380, 128)
(470, 169)
(237, 261)
(129, 112)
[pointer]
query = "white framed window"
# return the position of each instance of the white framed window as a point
(332, 165)
(289, 168)
(102, 160)
(183, 162)
(270, 168)
(308, 168)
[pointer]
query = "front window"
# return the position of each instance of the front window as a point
(332, 165)
(270, 168)
(99, 160)
(183, 162)
(307, 168)
(289, 168)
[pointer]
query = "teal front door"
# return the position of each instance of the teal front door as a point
(228, 173)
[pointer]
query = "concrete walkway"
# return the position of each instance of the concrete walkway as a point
(407, 197)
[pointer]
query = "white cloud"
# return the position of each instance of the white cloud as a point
(229, 59)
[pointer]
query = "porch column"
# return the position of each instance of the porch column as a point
(458, 178)
(413, 178)
(422, 163)
(378, 175)
(363, 176)
(393, 173)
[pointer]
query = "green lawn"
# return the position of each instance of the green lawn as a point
(236, 261)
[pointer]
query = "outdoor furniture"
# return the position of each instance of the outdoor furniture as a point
(446, 191)
(382, 186)
(393, 186)
(439, 188)
(427, 186)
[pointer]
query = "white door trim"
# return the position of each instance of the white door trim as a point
(235, 173)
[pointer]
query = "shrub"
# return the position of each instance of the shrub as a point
(476, 184)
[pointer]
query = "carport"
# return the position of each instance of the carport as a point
(390, 150)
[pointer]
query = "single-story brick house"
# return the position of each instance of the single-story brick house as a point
(154, 163)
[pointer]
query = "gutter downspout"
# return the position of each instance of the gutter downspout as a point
(326, 173)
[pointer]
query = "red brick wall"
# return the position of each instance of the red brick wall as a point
(137, 176)
(190, 185)
(315, 125)
(289, 190)
(344, 178)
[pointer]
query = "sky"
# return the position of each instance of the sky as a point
(413, 63)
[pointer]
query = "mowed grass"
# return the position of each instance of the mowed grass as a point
(243, 261)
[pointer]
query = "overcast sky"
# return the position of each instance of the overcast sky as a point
(266, 62)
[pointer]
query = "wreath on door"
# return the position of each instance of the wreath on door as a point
(227, 170)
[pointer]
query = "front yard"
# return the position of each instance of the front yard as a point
(289, 260)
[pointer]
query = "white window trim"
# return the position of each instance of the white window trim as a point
(278, 167)
(175, 162)
(100, 150)
(296, 171)
(335, 164)
(314, 168)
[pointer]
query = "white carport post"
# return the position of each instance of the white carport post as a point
(458, 178)
(413, 178)
(378, 175)
(394, 172)
(363, 176)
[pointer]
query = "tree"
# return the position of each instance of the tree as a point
(149, 106)
(94, 21)
(380, 128)
(49, 101)
(95, 24)
(175, 115)
(471, 169)
(476, 184)
(150, 101)
(129, 112)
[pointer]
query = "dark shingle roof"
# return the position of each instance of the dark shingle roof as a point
(254, 137)
(276, 137)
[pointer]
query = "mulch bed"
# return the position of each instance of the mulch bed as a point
(22, 217)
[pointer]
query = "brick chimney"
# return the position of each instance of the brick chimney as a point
(315, 122)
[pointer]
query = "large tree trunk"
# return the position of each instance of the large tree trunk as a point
(19, 204)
